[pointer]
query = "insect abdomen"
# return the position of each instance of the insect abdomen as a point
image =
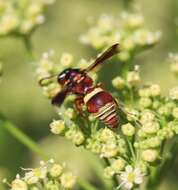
(102, 105)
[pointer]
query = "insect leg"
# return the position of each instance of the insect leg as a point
(79, 103)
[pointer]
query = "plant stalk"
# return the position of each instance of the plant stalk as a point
(23, 138)
(85, 185)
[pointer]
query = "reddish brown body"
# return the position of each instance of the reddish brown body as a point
(103, 106)
(99, 102)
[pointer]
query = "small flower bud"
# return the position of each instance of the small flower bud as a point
(70, 113)
(118, 83)
(149, 155)
(56, 170)
(151, 127)
(57, 126)
(108, 172)
(70, 133)
(105, 22)
(128, 44)
(118, 165)
(175, 113)
(155, 90)
(145, 102)
(156, 104)
(164, 110)
(66, 59)
(78, 138)
(106, 135)
(109, 150)
(141, 133)
(68, 180)
(133, 78)
(154, 142)
(173, 93)
(134, 21)
(18, 184)
(96, 147)
(128, 129)
(144, 92)
(147, 116)
(124, 56)
(175, 128)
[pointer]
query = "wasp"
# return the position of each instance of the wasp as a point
(100, 103)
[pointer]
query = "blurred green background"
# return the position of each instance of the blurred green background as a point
(21, 99)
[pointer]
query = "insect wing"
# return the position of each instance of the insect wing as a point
(60, 97)
(114, 49)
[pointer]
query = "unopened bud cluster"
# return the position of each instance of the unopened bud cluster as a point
(20, 17)
(147, 120)
(49, 175)
(129, 31)
(130, 81)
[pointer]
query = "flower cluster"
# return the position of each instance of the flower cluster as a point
(148, 120)
(20, 17)
(49, 175)
(129, 31)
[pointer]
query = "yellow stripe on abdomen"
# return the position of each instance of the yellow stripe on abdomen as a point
(88, 96)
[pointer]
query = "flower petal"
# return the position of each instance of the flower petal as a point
(128, 185)
(138, 180)
(129, 169)
(123, 176)
(137, 172)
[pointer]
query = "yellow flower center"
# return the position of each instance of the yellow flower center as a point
(131, 177)
(37, 172)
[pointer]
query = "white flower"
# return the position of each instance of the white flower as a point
(56, 170)
(57, 126)
(18, 184)
(34, 175)
(68, 180)
(173, 93)
(131, 177)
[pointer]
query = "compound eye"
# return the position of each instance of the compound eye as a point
(62, 79)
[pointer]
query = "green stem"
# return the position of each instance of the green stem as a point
(23, 138)
(125, 69)
(85, 184)
(131, 149)
(29, 48)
